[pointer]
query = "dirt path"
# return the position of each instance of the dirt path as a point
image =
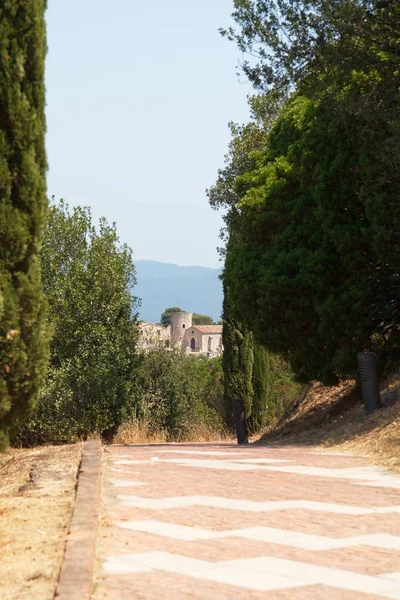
(184, 522)
(37, 490)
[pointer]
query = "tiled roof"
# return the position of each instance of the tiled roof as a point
(208, 328)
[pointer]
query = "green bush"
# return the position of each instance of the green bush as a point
(87, 277)
(176, 393)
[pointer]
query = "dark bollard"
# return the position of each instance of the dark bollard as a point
(240, 421)
(369, 382)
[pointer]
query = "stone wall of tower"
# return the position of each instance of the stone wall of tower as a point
(180, 321)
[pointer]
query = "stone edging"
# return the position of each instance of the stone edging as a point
(75, 582)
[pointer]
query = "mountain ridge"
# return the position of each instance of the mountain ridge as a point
(162, 285)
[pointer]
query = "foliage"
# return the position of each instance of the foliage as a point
(175, 393)
(261, 408)
(239, 160)
(293, 44)
(87, 276)
(166, 315)
(23, 333)
(313, 219)
(202, 320)
(315, 270)
(197, 319)
(237, 364)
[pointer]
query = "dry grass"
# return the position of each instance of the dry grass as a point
(141, 432)
(138, 432)
(37, 491)
(335, 418)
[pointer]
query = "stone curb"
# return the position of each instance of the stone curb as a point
(75, 582)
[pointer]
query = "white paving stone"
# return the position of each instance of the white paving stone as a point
(171, 530)
(264, 573)
(250, 580)
(389, 482)
(391, 576)
(315, 574)
(121, 565)
(331, 453)
(126, 483)
(250, 505)
(271, 535)
(260, 461)
(374, 476)
(217, 453)
(132, 462)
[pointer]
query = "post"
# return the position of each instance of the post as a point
(240, 421)
(369, 382)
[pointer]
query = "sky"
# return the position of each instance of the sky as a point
(139, 96)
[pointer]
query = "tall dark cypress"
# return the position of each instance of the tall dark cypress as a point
(23, 329)
(237, 364)
(261, 374)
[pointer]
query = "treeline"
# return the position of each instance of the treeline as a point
(310, 194)
(97, 377)
(24, 334)
(69, 365)
(311, 190)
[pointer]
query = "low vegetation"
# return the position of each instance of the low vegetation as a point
(175, 395)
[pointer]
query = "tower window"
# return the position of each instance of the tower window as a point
(184, 326)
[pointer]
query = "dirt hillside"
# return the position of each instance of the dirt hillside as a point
(335, 417)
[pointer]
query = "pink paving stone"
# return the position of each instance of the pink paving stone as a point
(266, 485)
(172, 479)
(360, 559)
(303, 521)
(169, 587)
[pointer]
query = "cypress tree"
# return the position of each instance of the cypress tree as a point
(261, 376)
(237, 364)
(23, 330)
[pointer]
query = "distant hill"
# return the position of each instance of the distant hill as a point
(193, 289)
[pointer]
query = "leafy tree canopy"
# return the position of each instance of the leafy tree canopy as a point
(166, 315)
(202, 320)
(313, 269)
(292, 43)
(197, 318)
(87, 277)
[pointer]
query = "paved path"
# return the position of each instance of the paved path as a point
(222, 522)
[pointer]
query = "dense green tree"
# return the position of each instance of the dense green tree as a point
(245, 139)
(23, 331)
(166, 315)
(202, 320)
(261, 382)
(313, 258)
(87, 277)
(176, 395)
(316, 268)
(237, 364)
(294, 43)
(197, 318)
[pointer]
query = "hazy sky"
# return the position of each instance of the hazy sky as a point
(139, 95)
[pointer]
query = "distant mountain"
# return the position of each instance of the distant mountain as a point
(193, 289)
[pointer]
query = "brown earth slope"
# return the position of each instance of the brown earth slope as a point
(335, 418)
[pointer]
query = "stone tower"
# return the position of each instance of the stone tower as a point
(180, 321)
